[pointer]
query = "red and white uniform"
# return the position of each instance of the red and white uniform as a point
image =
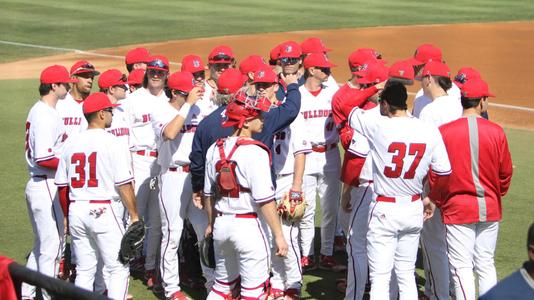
(288, 143)
(421, 100)
(441, 110)
(240, 243)
(45, 135)
(139, 106)
(471, 200)
(120, 127)
(175, 190)
(71, 112)
(321, 175)
(403, 150)
(92, 165)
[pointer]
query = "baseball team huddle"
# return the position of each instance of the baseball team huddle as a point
(243, 151)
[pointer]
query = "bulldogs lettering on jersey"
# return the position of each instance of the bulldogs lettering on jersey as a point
(71, 112)
(120, 127)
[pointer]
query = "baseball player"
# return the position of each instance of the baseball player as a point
(403, 150)
(465, 74)
(135, 79)
(44, 139)
(289, 158)
(443, 108)
(321, 175)
(220, 59)
(289, 58)
(139, 106)
(193, 64)
(236, 169)
(470, 200)
(316, 45)
(248, 67)
(70, 110)
(136, 58)
(175, 125)
(93, 171)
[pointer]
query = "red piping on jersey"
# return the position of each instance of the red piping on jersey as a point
(50, 163)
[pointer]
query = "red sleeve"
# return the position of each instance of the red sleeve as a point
(506, 167)
(359, 100)
(345, 136)
(337, 99)
(51, 163)
(438, 187)
(351, 169)
(63, 192)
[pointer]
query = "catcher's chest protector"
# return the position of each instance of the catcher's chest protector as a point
(226, 175)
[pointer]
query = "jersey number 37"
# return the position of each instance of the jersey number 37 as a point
(399, 153)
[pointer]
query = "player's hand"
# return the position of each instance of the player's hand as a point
(209, 231)
(281, 246)
(195, 94)
(428, 208)
(289, 78)
(380, 86)
(345, 201)
(197, 200)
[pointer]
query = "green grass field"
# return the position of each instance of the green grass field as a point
(100, 24)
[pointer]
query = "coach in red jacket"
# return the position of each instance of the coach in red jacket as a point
(470, 201)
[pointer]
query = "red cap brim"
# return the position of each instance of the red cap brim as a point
(414, 62)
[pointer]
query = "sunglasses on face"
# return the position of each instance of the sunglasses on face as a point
(158, 63)
(325, 70)
(289, 60)
(199, 74)
(263, 85)
(86, 66)
(109, 110)
(86, 75)
(159, 73)
(222, 66)
(222, 57)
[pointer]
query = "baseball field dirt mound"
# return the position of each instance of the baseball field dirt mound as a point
(500, 51)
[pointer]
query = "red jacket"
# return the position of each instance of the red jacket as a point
(481, 171)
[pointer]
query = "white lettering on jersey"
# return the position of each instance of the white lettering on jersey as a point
(71, 112)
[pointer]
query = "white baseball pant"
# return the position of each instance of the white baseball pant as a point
(96, 233)
(287, 272)
(175, 205)
(328, 188)
(435, 261)
(472, 246)
(145, 169)
(392, 242)
(242, 253)
(46, 218)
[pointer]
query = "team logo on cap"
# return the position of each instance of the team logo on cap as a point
(289, 48)
(226, 90)
(401, 72)
(221, 53)
(196, 63)
(460, 78)
(261, 74)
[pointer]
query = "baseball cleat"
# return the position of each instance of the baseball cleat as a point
(340, 244)
(292, 294)
(308, 263)
(275, 294)
(178, 295)
(330, 264)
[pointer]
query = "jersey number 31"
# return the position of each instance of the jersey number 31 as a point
(80, 160)
(399, 151)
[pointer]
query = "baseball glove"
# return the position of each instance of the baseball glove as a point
(292, 206)
(207, 254)
(132, 242)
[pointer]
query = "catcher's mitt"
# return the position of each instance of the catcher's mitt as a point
(207, 254)
(292, 206)
(132, 242)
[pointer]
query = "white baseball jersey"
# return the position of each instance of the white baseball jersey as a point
(442, 110)
(402, 149)
(359, 145)
(331, 82)
(206, 103)
(45, 135)
(139, 106)
(252, 172)
(288, 143)
(421, 101)
(120, 126)
(71, 112)
(92, 165)
(319, 124)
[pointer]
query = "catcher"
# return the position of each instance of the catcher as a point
(93, 171)
(289, 158)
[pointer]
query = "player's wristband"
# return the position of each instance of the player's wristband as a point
(184, 111)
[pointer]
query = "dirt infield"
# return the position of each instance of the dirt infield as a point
(501, 51)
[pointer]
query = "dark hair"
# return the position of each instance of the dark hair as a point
(45, 88)
(401, 80)
(530, 236)
(89, 117)
(104, 90)
(470, 102)
(395, 95)
(273, 62)
(129, 67)
(306, 73)
(145, 80)
(444, 82)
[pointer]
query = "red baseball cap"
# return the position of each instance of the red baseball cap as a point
(230, 81)
(83, 66)
(275, 53)
(317, 60)
(136, 76)
(313, 45)
(97, 101)
(192, 63)
(182, 81)
(251, 63)
(158, 62)
(111, 78)
(373, 72)
(290, 49)
(465, 74)
(426, 53)
(436, 68)
(476, 88)
(221, 54)
(244, 107)
(56, 74)
(402, 69)
(361, 55)
(265, 74)
(137, 55)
